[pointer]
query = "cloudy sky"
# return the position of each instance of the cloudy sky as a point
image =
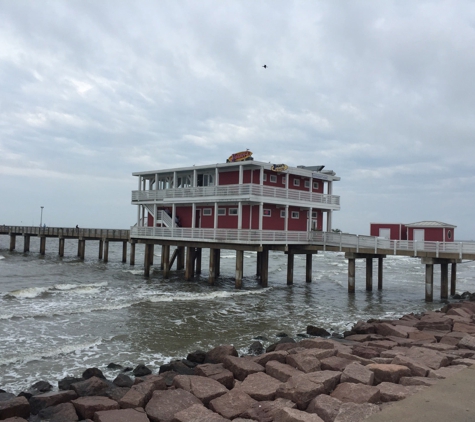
(382, 92)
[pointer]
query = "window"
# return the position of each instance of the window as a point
(306, 183)
(314, 214)
(221, 211)
(296, 182)
(205, 180)
(273, 178)
(265, 177)
(282, 213)
(449, 234)
(267, 212)
(207, 211)
(283, 180)
(295, 214)
(315, 185)
(233, 211)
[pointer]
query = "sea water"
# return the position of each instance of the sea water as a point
(60, 316)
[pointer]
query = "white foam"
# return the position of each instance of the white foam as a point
(28, 293)
(2, 257)
(205, 296)
(134, 272)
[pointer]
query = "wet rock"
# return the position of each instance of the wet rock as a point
(241, 368)
(233, 404)
(196, 413)
(16, 406)
(164, 404)
(325, 406)
(356, 393)
(141, 370)
(177, 366)
(203, 388)
(122, 415)
(123, 380)
(51, 398)
(260, 386)
(91, 387)
(87, 406)
(279, 356)
(362, 327)
(114, 366)
(256, 348)
(65, 383)
(64, 412)
(198, 356)
(317, 331)
(218, 354)
(92, 372)
(282, 335)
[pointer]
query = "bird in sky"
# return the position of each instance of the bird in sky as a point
(265, 66)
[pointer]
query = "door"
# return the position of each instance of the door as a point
(418, 235)
(385, 233)
(198, 219)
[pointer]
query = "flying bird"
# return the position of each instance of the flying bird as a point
(265, 66)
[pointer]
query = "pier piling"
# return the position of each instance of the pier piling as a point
(308, 267)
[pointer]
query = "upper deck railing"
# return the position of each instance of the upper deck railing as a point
(238, 191)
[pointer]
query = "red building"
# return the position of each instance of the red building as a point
(429, 231)
(243, 195)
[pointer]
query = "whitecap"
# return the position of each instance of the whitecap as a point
(2, 257)
(205, 296)
(28, 293)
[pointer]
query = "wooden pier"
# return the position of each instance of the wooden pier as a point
(183, 248)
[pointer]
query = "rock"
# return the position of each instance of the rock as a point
(218, 354)
(303, 362)
(4, 396)
(281, 371)
(241, 368)
(15, 419)
(256, 348)
(122, 415)
(91, 387)
(356, 393)
(362, 327)
(329, 379)
(417, 369)
(92, 372)
(52, 398)
(197, 413)
(165, 404)
(317, 331)
(317, 343)
(358, 374)
(335, 363)
(264, 411)
(140, 394)
(116, 393)
(464, 328)
(114, 366)
(385, 329)
(232, 404)
(325, 406)
(421, 336)
(446, 372)
(464, 361)
(467, 342)
(217, 372)
(177, 366)
(260, 386)
(381, 344)
(295, 415)
(423, 381)
(395, 392)
(141, 370)
(65, 383)
(64, 412)
(40, 387)
(279, 356)
(365, 352)
(198, 356)
(388, 372)
(300, 390)
(16, 406)
(123, 380)
(430, 358)
(205, 389)
(354, 358)
(353, 412)
(87, 406)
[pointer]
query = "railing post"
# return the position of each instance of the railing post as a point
(437, 250)
(341, 234)
(375, 244)
(357, 243)
(460, 250)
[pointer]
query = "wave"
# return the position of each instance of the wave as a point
(205, 296)
(33, 292)
(28, 293)
(2, 257)
(79, 286)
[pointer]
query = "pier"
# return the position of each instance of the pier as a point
(182, 248)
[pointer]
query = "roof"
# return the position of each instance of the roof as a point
(431, 224)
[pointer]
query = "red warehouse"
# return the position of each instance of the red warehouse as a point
(429, 231)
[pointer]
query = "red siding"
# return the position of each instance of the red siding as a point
(432, 234)
(398, 231)
(229, 178)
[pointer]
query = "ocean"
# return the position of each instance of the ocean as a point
(60, 316)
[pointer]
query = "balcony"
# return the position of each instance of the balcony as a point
(247, 192)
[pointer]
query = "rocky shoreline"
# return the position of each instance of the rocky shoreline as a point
(315, 379)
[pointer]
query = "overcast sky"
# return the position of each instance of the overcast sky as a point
(381, 92)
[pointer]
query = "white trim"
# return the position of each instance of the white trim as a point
(267, 212)
(207, 212)
(282, 214)
(233, 211)
(306, 183)
(296, 182)
(315, 185)
(295, 215)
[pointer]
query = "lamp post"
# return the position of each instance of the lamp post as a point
(41, 219)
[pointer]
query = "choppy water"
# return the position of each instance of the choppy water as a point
(59, 316)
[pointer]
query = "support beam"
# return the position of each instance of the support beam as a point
(152, 254)
(429, 282)
(351, 274)
(146, 264)
(132, 253)
(173, 258)
(369, 274)
(79, 247)
(166, 260)
(43, 245)
(218, 262)
(453, 279)
(61, 246)
(180, 263)
(212, 266)
(308, 267)
(239, 268)
(12, 242)
(82, 249)
(106, 250)
(26, 243)
(444, 281)
(124, 251)
(380, 273)
(258, 264)
(101, 248)
(189, 266)
(290, 269)
(162, 261)
(265, 268)
(198, 254)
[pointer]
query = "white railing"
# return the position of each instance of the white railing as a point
(236, 191)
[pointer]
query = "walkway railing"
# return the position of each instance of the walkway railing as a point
(236, 191)
(66, 232)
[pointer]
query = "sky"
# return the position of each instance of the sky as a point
(382, 92)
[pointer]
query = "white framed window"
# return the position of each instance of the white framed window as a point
(306, 183)
(264, 177)
(283, 180)
(314, 214)
(295, 214)
(315, 185)
(207, 211)
(273, 178)
(221, 211)
(267, 212)
(233, 211)
(282, 213)
(296, 182)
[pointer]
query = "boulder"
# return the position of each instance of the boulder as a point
(93, 372)
(122, 415)
(417, 368)
(329, 379)
(363, 327)
(335, 363)
(325, 406)
(300, 390)
(281, 371)
(164, 404)
(141, 370)
(16, 406)
(422, 337)
(65, 383)
(203, 388)
(385, 329)
(365, 352)
(395, 392)
(317, 331)
(424, 381)
(462, 327)
(241, 367)
(256, 348)
(260, 386)
(140, 394)
(182, 367)
(446, 372)
(358, 374)
(197, 413)
(198, 356)
(381, 344)
(295, 415)
(91, 387)
(61, 413)
(317, 343)
(217, 372)
(388, 372)
(279, 356)
(303, 362)
(233, 404)
(41, 401)
(467, 342)
(356, 393)
(264, 411)
(87, 406)
(354, 412)
(219, 353)
(430, 358)
(354, 358)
